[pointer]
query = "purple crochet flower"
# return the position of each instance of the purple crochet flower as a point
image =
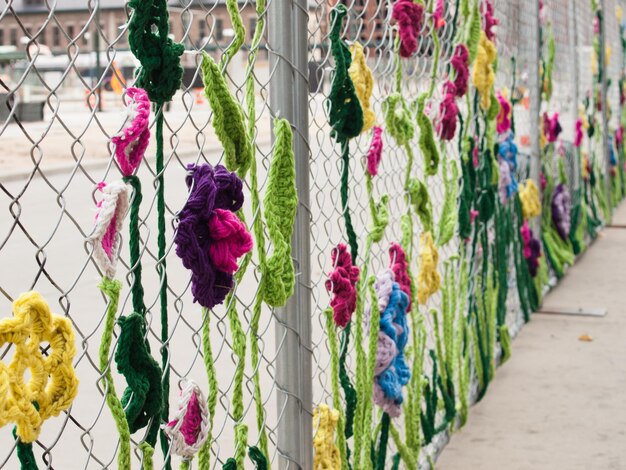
(561, 209)
(211, 189)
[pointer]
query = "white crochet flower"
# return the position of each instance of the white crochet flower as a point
(112, 209)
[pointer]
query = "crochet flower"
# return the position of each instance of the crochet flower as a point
(460, 64)
(52, 384)
(207, 240)
(109, 220)
(448, 111)
(561, 210)
(507, 156)
(490, 20)
(363, 81)
(400, 268)
(327, 454)
(429, 279)
(578, 138)
(342, 283)
(392, 371)
(438, 14)
(231, 240)
(408, 15)
(131, 143)
(532, 248)
(503, 121)
(375, 152)
(189, 428)
(529, 197)
(551, 127)
(483, 75)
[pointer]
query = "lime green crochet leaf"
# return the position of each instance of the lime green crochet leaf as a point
(447, 222)
(398, 119)
(421, 202)
(472, 34)
(427, 139)
(281, 203)
(228, 118)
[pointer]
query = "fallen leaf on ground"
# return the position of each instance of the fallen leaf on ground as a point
(585, 338)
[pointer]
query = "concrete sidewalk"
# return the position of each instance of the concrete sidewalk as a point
(559, 402)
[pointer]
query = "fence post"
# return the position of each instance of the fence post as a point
(288, 39)
(605, 102)
(302, 233)
(535, 87)
(573, 37)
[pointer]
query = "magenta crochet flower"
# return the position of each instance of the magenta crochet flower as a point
(490, 20)
(400, 268)
(532, 248)
(342, 283)
(551, 127)
(438, 14)
(578, 138)
(408, 15)
(448, 112)
(375, 153)
(460, 64)
(503, 122)
(131, 144)
(231, 240)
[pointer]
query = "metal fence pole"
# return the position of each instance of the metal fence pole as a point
(535, 86)
(302, 233)
(573, 38)
(288, 36)
(605, 102)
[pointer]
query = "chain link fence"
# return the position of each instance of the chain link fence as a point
(70, 63)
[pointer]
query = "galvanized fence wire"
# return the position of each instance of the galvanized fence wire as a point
(48, 204)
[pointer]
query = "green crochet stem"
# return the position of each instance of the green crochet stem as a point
(347, 217)
(111, 288)
(142, 399)
(204, 455)
(349, 392)
(447, 222)
(331, 332)
(408, 456)
(162, 271)
(381, 454)
(427, 138)
(25, 451)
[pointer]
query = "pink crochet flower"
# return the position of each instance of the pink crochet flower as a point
(131, 144)
(375, 153)
(342, 283)
(490, 20)
(438, 14)
(408, 15)
(460, 64)
(578, 138)
(551, 127)
(231, 240)
(400, 268)
(448, 112)
(503, 122)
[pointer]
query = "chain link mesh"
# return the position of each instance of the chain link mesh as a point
(50, 168)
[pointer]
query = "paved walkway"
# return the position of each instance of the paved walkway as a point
(559, 402)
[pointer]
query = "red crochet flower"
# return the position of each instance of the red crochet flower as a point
(230, 238)
(342, 283)
(408, 14)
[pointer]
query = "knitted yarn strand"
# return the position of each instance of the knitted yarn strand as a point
(162, 271)
(204, 454)
(111, 288)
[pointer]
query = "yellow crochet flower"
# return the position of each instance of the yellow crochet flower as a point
(585, 166)
(529, 197)
(363, 80)
(326, 452)
(483, 76)
(429, 280)
(53, 384)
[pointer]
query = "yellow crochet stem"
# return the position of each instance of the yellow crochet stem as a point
(483, 75)
(53, 383)
(529, 197)
(363, 80)
(326, 452)
(429, 278)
